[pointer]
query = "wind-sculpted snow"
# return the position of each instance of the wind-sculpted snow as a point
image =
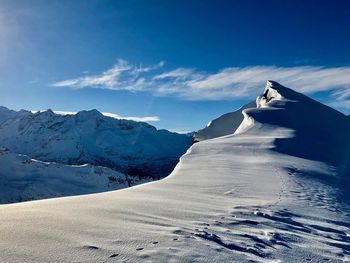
(224, 125)
(236, 198)
(319, 132)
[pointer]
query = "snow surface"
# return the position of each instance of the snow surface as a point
(272, 192)
(23, 179)
(224, 125)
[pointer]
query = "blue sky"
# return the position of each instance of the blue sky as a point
(180, 62)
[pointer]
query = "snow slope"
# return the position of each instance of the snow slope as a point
(131, 147)
(224, 125)
(268, 193)
(23, 179)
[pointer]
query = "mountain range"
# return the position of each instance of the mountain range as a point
(44, 147)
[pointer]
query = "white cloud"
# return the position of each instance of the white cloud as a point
(108, 114)
(342, 104)
(144, 119)
(181, 73)
(226, 84)
(59, 112)
(122, 76)
(231, 83)
(180, 131)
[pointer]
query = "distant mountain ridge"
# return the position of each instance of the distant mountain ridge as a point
(135, 151)
(90, 137)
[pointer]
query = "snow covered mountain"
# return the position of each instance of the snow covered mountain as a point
(319, 132)
(129, 152)
(6, 114)
(130, 147)
(275, 190)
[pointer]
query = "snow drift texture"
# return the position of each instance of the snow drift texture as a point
(271, 192)
(224, 125)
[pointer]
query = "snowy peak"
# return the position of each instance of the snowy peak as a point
(90, 137)
(317, 132)
(274, 92)
(90, 114)
(271, 92)
(230, 122)
(5, 114)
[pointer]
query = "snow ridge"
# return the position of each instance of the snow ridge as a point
(223, 125)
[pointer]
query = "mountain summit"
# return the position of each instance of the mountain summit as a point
(318, 132)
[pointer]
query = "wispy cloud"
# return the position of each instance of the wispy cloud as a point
(341, 104)
(144, 119)
(227, 83)
(180, 131)
(179, 73)
(122, 76)
(231, 83)
(108, 114)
